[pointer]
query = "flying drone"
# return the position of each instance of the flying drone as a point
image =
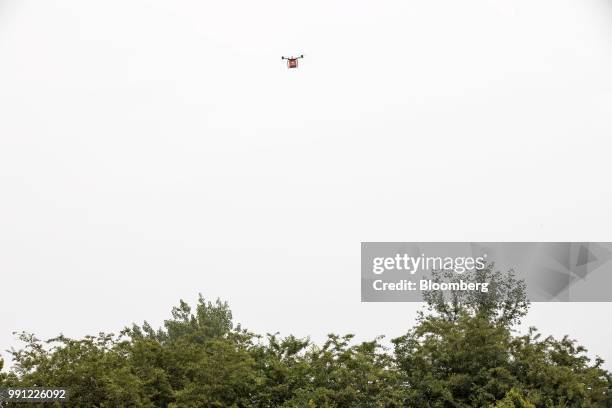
(292, 62)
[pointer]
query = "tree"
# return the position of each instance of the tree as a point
(462, 363)
(504, 302)
(465, 354)
(94, 368)
(462, 353)
(197, 360)
(558, 372)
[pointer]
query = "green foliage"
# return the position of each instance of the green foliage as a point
(474, 362)
(462, 354)
(98, 372)
(462, 363)
(514, 399)
(339, 374)
(505, 302)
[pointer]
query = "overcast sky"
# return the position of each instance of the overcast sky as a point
(151, 150)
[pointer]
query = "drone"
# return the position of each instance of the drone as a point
(292, 62)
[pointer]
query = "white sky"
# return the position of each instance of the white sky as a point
(151, 150)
